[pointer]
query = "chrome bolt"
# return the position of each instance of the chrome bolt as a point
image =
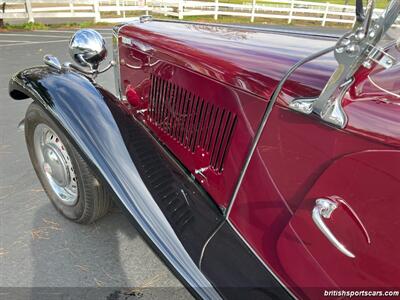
(339, 50)
(367, 64)
(372, 34)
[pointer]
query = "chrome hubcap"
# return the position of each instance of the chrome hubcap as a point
(56, 164)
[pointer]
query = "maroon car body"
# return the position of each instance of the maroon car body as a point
(227, 76)
(237, 181)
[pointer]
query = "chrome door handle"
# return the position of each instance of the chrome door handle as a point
(324, 208)
(138, 67)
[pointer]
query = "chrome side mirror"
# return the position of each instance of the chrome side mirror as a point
(88, 48)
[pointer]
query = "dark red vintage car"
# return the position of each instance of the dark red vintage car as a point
(258, 163)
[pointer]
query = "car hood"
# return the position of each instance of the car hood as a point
(250, 59)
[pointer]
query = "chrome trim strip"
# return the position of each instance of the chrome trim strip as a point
(264, 120)
(381, 88)
(117, 69)
(262, 262)
(207, 242)
(253, 28)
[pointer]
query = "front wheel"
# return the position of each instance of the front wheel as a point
(65, 176)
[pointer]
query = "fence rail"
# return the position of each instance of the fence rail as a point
(97, 10)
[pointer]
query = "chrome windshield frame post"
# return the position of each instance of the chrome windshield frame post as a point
(351, 51)
(117, 69)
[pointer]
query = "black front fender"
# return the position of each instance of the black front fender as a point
(82, 110)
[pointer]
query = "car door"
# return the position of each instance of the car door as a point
(300, 159)
(363, 188)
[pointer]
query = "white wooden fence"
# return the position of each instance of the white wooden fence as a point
(98, 10)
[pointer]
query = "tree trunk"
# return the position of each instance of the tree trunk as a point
(346, 2)
(3, 9)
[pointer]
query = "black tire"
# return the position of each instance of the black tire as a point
(93, 200)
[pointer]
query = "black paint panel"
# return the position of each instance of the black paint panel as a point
(190, 211)
(236, 271)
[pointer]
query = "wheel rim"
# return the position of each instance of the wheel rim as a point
(56, 164)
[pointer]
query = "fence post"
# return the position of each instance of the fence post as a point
(355, 20)
(71, 6)
(165, 8)
(118, 7)
(180, 9)
(325, 14)
(28, 7)
(253, 10)
(291, 12)
(216, 8)
(3, 11)
(96, 11)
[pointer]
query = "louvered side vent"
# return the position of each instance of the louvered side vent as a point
(192, 121)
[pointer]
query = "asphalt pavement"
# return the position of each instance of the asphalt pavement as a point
(43, 255)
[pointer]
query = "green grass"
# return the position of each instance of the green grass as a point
(41, 26)
(378, 3)
(27, 26)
